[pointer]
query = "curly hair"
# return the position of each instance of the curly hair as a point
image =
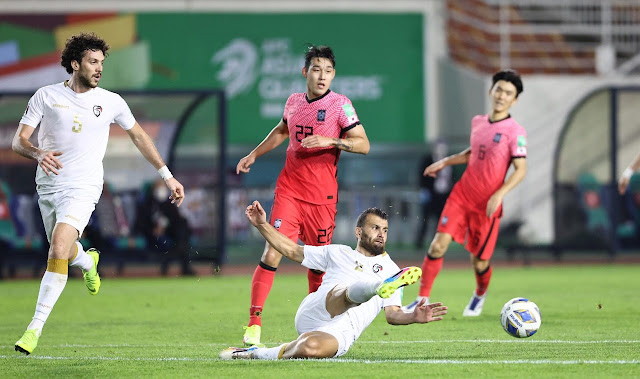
(76, 46)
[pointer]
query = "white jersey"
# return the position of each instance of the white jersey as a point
(77, 124)
(343, 265)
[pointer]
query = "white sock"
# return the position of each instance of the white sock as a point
(362, 291)
(83, 260)
(270, 353)
(51, 287)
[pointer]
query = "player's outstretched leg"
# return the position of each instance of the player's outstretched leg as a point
(91, 277)
(404, 277)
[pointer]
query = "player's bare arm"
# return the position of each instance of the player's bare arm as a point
(452, 160)
(356, 141)
(277, 135)
(422, 314)
(148, 149)
(520, 170)
(623, 182)
(258, 218)
(46, 159)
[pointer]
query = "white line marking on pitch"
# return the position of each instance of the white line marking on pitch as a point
(359, 342)
(339, 360)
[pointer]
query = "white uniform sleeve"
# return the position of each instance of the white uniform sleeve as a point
(35, 110)
(316, 257)
(124, 117)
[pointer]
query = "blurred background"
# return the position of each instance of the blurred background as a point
(209, 79)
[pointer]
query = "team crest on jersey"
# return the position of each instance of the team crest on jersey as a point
(277, 223)
(445, 219)
(97, 110)
(321, 114)
(358, 266)
(497, 137)
(377, 268)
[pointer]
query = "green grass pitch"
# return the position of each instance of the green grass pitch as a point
(175, 327)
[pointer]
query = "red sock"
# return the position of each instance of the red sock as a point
(430, 269)
(482, 280)
(315, 279)
(260, 287)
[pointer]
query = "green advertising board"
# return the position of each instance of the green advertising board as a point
(258, 59)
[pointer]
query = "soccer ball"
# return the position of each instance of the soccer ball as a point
(520, 317)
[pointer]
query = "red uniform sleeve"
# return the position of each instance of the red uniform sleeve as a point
(286, 109)
(347, 116)
(519, 143)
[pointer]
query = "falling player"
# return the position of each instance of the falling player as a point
(359, 283)
(319, 124)
(474, 207)
(74, 118)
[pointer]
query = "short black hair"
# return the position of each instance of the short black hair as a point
(76, 46)
(511, 76)
(321, 51)
(374, 211)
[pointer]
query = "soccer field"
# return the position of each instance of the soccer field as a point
(176, 327)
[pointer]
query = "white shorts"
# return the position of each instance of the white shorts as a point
(312, 316)
(73, 207)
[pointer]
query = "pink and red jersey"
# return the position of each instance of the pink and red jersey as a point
(311, 174)
(493, 146)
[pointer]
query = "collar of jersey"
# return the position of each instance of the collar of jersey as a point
(66, 86)
(317, 98)
(496, 121)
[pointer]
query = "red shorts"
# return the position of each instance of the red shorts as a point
(313, 224)
(463, 223)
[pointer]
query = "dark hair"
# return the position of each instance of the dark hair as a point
(76, 46)
(374, 211)
(511, 76)
(321, 51)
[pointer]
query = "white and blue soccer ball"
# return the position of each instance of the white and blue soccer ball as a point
(520, 317)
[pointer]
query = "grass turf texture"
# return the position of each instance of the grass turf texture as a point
(175, 327)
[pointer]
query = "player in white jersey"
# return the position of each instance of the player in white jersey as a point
(74, 119)
(357, 285)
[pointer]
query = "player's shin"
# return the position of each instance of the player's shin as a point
(51, 286)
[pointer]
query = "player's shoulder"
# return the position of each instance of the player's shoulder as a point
(296, 96)
(480, 118)
(338, 98)
(51, 88)
(516, 125)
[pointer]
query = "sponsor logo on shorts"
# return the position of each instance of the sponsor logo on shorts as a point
(445, 219)
(71, 217)
(377, 268)
(277, 223)
(497, 137)
(321, 114)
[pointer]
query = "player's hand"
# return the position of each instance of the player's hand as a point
(433, 169)
(244, 165)
(424, 313)
(48, 161)
(316, 141)
(256, 214)
(623, 183)
(494, 202)
(177, 191)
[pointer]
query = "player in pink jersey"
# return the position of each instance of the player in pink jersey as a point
(472, 213)
(319, 124)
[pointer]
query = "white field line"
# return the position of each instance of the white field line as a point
(339, 360)
(514, 340)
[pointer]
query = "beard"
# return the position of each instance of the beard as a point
(86, 82)
(369, 244)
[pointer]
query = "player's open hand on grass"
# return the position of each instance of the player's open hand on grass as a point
(433, 169)
(316, 141)
(494, 202)
(49, 162)
(177, 191)
(244, 165)
(424, 313)
(256, 214)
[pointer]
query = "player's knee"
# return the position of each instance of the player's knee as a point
(480, 266)
(59, 251)
(271, 257)
(312, 347)
(437, 249)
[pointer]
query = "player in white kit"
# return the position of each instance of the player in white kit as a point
(357, 285)
(74, 119)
